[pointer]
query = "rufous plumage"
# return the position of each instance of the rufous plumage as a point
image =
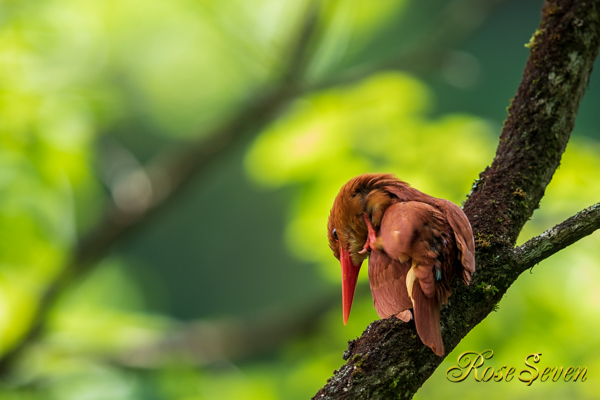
(416, 245)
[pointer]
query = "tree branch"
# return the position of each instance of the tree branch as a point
(428, 49)
(228, 340)
(555, 239)
(388, 361)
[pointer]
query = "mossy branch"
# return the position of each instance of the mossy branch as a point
(539, 248)
(389, 361)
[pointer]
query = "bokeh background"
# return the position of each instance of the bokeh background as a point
(167, 169)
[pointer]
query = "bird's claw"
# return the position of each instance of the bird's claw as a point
(371, 236)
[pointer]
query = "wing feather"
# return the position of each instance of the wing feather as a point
(463, 235)
(427, 320)
(414, 231)
(387, 279)
(456, 218)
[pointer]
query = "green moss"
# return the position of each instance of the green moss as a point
(486, 289)
(483, 241)
(532, 41)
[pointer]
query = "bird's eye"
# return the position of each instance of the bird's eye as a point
(335, 234)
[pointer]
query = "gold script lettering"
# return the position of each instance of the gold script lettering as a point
(568, 373)
(554, 377)
(485, 371)
(465, 365)
(532, 377)
(545, 372)
(498, 376)
(583, 377)
(509, 374)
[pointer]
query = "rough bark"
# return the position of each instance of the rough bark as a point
(388, 361)
(555, 239)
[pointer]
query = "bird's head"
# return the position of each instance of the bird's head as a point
(366, 196)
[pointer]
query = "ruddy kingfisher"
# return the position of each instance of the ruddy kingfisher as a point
(416, 244)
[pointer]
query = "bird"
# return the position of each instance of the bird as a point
(416, 244)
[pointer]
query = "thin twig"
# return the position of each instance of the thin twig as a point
(555, 239)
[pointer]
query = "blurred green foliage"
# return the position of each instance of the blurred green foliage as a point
(379, 125)
(154, 74)
(45, 136)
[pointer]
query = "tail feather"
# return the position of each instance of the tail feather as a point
(427, 320)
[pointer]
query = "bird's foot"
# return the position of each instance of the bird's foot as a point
(405, 315)
(371, 236)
